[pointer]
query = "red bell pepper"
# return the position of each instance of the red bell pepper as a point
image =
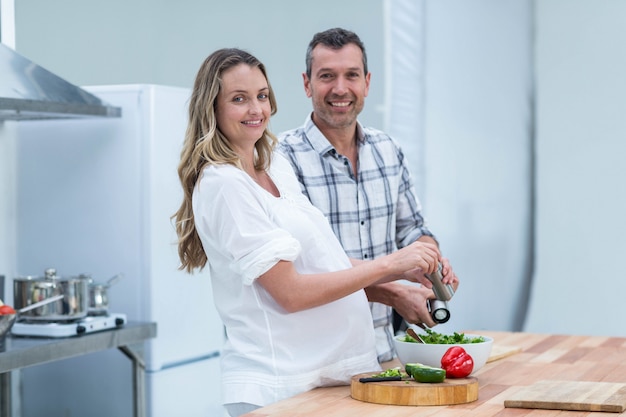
(457, 362)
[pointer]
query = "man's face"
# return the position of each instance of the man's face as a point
(338, 86)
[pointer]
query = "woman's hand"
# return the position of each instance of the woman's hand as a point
(418, 256)
(449, 277)
(419, 276)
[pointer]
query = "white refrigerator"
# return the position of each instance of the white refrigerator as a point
(95, 196)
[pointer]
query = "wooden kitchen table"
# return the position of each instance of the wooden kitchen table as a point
(542, 357)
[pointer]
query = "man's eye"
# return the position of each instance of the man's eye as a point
(326, 76)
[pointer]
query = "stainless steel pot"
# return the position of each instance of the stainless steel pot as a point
(29, 290)
(99, 296)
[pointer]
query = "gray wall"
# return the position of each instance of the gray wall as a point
(476, 77)
(164, 42)
(477, 154)
(477, 120)
(581, 146)
(471, 101)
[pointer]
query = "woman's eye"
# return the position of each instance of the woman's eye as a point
(263, 96)
(238, 99)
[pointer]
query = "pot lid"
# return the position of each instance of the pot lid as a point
(50, 274)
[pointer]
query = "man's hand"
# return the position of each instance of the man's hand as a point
(408, 300)
(411, 305)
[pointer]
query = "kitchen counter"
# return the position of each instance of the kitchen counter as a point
(542, 357)
(18, 352)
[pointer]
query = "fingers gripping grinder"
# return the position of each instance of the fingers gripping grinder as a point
(443, 293)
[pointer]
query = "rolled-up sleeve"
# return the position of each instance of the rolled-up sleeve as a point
(263, 258)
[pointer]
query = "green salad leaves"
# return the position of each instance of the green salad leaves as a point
(390, 373)
(432, 337)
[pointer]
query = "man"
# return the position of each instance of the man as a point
(358, 177)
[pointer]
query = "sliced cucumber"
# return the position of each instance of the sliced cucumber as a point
(423, 373)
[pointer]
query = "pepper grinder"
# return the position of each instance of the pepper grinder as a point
(443, 292)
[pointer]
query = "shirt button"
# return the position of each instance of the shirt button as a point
(365, 256)
(362, 222)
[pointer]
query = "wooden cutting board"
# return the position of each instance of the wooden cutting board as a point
(411, 392)
(571, 395)
(500, 352)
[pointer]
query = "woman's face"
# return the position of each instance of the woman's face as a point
(243, 105)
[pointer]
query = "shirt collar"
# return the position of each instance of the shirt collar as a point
(319, 141)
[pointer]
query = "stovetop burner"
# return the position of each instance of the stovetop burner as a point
(89, 324)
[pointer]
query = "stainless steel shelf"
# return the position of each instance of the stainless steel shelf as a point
(18, 352)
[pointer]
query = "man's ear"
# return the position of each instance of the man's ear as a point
(307, 85)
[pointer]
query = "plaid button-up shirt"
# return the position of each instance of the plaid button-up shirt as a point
(372, 215)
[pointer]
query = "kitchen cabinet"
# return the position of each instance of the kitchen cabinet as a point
(540, 357)
(20, 352)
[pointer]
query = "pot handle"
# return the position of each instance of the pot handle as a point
(114, 279)
(40, 303)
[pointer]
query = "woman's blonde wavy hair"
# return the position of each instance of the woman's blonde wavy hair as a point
(205, 144)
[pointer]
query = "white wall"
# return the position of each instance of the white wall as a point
(471, 145)
(581, 147)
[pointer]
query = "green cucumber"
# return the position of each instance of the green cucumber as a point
(423, 373)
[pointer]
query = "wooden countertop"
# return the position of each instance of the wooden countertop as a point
(542, 356)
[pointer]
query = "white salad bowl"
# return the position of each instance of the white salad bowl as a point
(430, 353)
